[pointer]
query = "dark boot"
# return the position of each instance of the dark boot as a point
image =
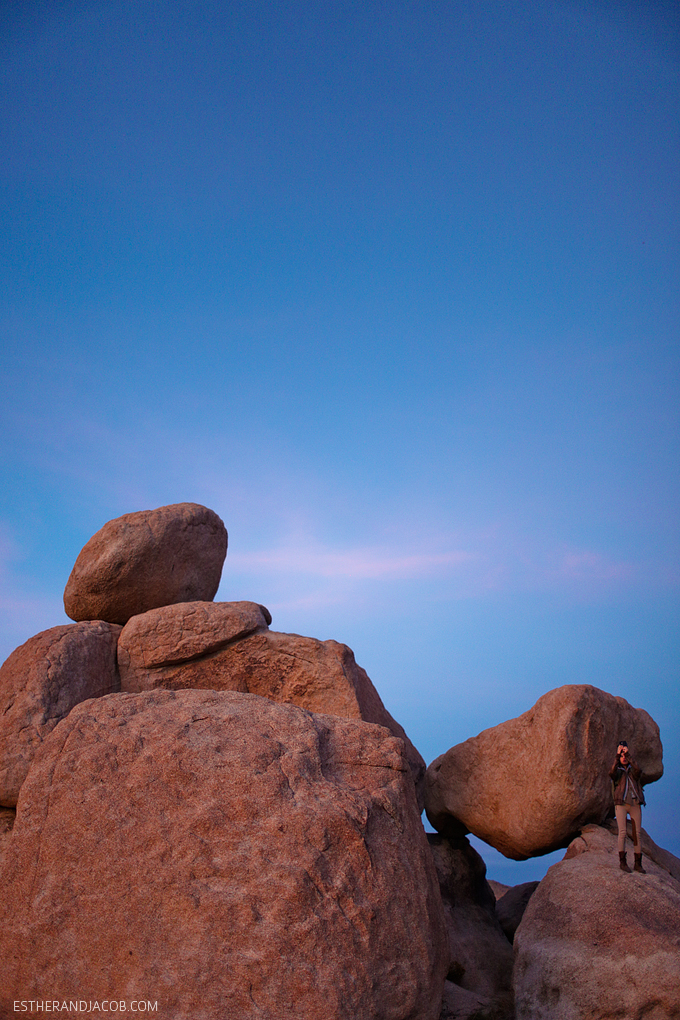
(623, 863)
(638, 864)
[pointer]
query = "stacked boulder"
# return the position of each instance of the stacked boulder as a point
(589, 940)
(224, 819)
(145, 560)
(202, 811)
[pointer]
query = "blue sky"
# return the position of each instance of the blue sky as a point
(393, 288)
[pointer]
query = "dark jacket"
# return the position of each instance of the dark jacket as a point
(619, 774)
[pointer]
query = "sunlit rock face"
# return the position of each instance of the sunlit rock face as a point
(155, 647)
(528, 786)
(228, 646)
(226, 856)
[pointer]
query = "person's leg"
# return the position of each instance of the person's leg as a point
(621, 811)
(636, 819)
(635, 813)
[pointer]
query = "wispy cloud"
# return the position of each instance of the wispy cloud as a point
(361, 563)
(587, 565)
(490, 562)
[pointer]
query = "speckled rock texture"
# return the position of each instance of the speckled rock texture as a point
(163, 649)
(152, 644)
(144, 560)
(598, 943)
(460, 1004)
(7, 818)
(40, 683)
(226, 856)
(528, 786)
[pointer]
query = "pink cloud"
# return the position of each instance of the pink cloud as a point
(588, 565)
(360, 563)
(490, 561)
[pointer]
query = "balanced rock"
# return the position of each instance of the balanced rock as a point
(147, 559)
(40, 683)
(595, 942)
(162, 648)
(529, 785)
(480, 956)
(223, 856)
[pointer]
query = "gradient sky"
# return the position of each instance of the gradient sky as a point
(393, 288)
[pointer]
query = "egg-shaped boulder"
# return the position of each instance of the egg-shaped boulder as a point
(147, 559)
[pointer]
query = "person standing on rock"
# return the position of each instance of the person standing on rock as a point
(628, 800)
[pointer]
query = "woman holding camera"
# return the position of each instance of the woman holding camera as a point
(628, 800)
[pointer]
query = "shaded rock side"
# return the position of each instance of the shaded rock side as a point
(511, 906)
(7, 818)
(147, 559)
(40, 683)
(480, 956)
(226, 856)
(460, 1004)
(498, 888)
(321, 676)
(595, 942)
(527, 786)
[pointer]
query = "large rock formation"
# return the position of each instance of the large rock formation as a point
(595, 942)
(227, 646)
(229, 836)
(529, 785)
(147, 559)
(225, 856)
(40, 683)
(480, 957)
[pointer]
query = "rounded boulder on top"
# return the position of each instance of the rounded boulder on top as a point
(145, 560)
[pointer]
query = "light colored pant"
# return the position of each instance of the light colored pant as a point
(635, 812)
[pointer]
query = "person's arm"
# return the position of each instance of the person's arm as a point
(613, 769)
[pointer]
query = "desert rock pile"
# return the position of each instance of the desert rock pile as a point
(192, 805)
(480, 956)
(226, 819)
(540, 782)
(227, 646)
